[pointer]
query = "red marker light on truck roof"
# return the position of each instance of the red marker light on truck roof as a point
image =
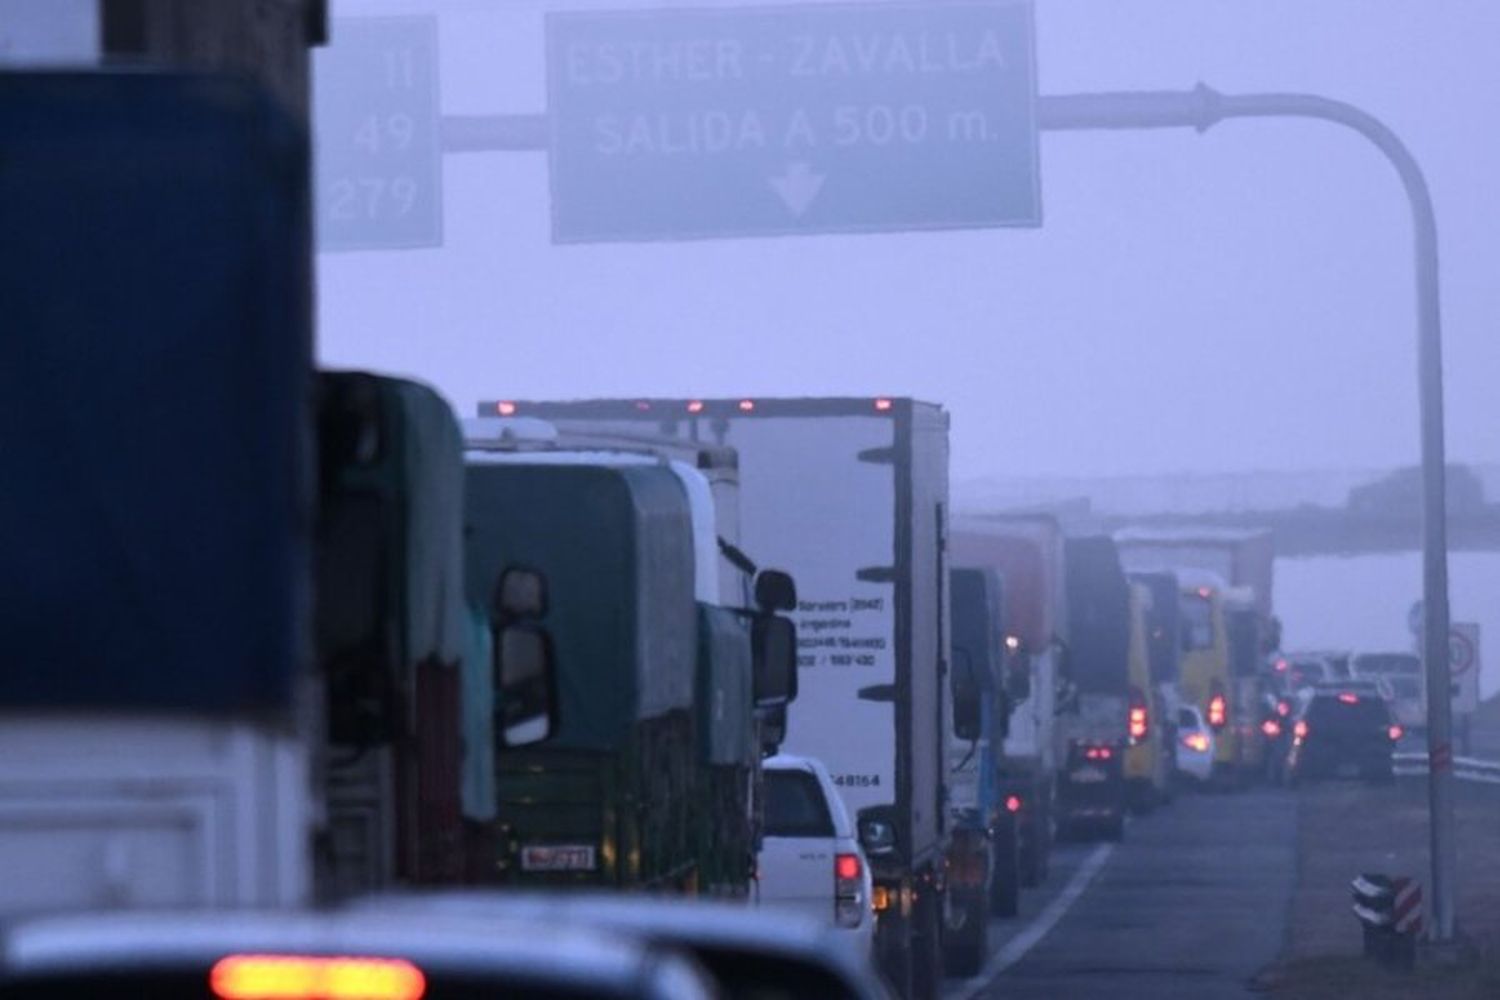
(882, 405)
(747, 405)
(1348, 697)
(642, 405)
(506, 408)
(315, 977)
(695, 406)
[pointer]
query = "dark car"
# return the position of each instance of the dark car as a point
(1343, 733)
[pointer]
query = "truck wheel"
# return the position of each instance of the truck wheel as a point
(893, 950)
(927, 947)
(964, 948)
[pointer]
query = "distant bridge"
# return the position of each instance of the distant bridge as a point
(1308, 531)
(1310, 511)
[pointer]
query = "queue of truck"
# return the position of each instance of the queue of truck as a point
(355, 645)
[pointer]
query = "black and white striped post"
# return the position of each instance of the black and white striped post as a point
(1389, 909)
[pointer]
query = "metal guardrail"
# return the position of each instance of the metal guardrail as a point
(1464, 768)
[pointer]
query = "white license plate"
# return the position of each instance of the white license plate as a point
(1347, 771)
(558, 858)
(1088, 775)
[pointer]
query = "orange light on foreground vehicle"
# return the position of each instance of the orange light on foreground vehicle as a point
(1395, 733)
(1218, 711)
(1271, 728)
(313, 977)
(1196, 741)
(880, 898)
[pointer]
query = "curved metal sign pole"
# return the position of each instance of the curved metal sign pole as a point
(1204, 107)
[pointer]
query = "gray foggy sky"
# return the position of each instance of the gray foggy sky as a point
(1236, 300)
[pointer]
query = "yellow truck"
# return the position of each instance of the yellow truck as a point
(1147, 774)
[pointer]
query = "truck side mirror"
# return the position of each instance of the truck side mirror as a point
(526, 676)
(967, 713)
(775, 591)
(772, 729)
(524, 664)
(520, 594)
(877, 833)
(1018, 679)
(773, 651)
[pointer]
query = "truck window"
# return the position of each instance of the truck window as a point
(1197, 622)
(795, 806)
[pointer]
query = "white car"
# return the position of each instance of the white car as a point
(810, 859)
(1195, 744)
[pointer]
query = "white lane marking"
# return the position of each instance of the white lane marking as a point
(1018, 946)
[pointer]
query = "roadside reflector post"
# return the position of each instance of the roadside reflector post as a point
(1389, 910)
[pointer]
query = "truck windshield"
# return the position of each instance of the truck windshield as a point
(795, 806)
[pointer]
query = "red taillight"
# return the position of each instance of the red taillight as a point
(1140, 717)
(1281, 666)
(1218, 713)
(1013, 803)
(1098, 753)
(1205, 592)
(315, 977)
(1348, 698)
(1300, 729)
(846, 867)
(1271, 728)
(506, 409)
(1395, 733)
(1283, 709)
(642, 405)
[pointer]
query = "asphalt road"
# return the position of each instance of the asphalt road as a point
(1192, 904)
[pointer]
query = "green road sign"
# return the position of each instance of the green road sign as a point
(764, 121)
(379, 164)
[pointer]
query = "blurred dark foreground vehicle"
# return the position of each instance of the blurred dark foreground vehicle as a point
(747, 953)
(268, 955)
